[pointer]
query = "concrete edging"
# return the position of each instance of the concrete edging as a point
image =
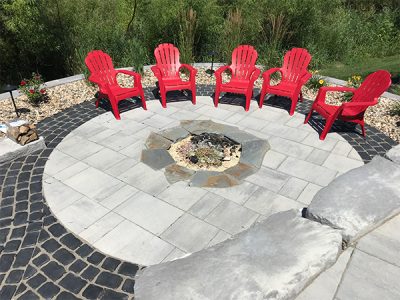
(73, 78)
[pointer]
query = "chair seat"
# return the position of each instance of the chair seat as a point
(236, 84)
(327, 110)
(123, 93)
(175, 83)
(284, 88)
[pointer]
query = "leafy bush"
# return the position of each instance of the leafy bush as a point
(54, 37)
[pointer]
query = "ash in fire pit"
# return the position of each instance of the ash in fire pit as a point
(206, 151)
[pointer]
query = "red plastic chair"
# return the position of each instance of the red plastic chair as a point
(103, 74)
(366, 95)
(244, 74)
(167, 72)
(294, 75)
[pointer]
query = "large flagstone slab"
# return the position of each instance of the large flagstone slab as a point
(274, 259)
(360, 200)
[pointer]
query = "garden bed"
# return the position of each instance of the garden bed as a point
(67, 95)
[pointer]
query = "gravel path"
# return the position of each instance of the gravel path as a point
(67, 95)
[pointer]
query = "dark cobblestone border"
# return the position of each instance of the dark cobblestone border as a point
(39, 258)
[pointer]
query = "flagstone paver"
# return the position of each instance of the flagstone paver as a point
(43, 259)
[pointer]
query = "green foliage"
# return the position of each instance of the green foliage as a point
(33, 89)
(54, 36)
(315, 82)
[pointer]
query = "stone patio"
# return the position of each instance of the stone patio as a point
(112, 193)
(43, 259)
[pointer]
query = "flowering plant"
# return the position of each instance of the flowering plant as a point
(354, 82)
(33, 89)
(316, 81)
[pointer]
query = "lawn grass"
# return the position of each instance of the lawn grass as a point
(365, 67)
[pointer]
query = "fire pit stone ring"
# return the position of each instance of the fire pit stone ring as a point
(229, 154)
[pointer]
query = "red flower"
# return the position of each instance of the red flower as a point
(43, 91)
(23, 82)
(31, 91)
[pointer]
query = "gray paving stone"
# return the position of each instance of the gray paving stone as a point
(268, 203)
(220, 237)
(238, 194)
(231, 217)
(394, 154)
(372, 197)
(174, 134)
(205, 205)
(189, 233)
(383, 242)
(149, 212)
(253, 152)
(273, 159)
(157, 158)
(307, 171)
(368, 277)
(308, 193)
(341, 163)
(290, 148)
(92, 182)
(182, 195)
(318, 156)
(293, 188)
(326, 284)
(297, 251)
(145, 178)
(79, 147)
(104, 159)
(57, 162)
(213, 179)
(268, 178)
(157, 141)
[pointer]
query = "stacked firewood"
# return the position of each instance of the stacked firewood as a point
(23, 134)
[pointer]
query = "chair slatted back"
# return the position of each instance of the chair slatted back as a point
(295, 64)
(372, 87)
(101, 66)
(167, 58)
(244, 60)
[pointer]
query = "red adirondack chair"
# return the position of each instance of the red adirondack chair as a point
(103, 74)
(167, 72)
(366, 95)
(294, 75)
(244, 73)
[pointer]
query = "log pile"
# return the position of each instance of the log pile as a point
(23, 134)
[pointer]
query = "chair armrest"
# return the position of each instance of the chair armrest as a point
(305, 77)
(157, 72)
(130, 73)
(192, 70)
(100, 83)
(267, 74)
(218, 73)
(254, 74)
(323, 90)
(353, 104)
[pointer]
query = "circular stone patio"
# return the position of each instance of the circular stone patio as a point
(97, 187)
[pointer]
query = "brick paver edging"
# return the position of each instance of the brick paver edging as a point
(41, 259)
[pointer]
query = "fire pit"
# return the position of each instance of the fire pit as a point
(206, 153)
